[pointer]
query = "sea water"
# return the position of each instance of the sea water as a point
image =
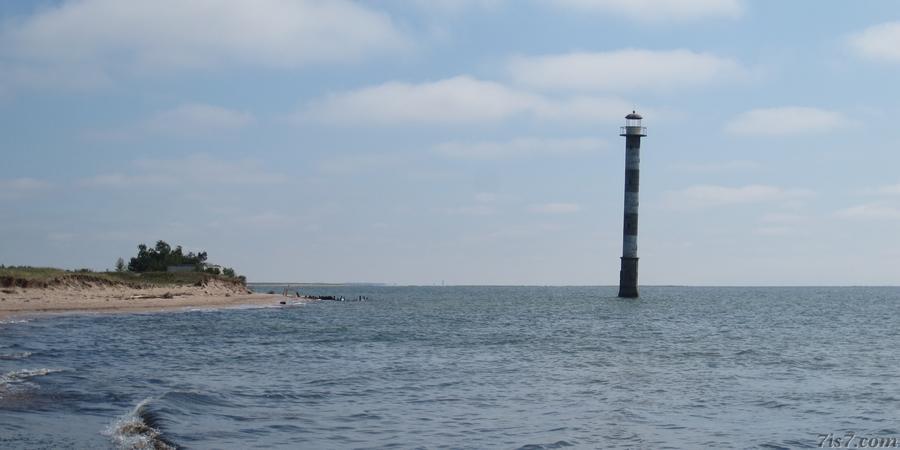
(464, 367)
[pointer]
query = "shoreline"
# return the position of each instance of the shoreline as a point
(34, 302)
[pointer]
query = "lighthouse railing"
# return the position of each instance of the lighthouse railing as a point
(626, 130)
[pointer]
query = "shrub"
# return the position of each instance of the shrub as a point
(157, 259)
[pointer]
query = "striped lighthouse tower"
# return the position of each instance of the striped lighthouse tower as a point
(628, 276)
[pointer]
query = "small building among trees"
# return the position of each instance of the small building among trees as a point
(163, 258)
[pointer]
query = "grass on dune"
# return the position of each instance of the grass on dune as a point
(25, 276)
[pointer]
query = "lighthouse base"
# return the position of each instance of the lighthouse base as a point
(628, 278)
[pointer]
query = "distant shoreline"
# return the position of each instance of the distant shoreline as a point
(285, 284)
(611, 286)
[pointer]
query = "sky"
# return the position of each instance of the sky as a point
(457, 142)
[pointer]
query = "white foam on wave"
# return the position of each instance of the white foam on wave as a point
(243, 307)
(13, 321)
(24, 374)
(12, 356)
(18, 379)
(136, 430)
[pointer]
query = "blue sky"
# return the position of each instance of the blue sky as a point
(471, 142)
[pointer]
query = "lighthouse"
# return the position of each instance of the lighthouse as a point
(628, 275)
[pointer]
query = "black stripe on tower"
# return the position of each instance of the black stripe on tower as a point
(632, 180)
(631, 224)
(632, 141)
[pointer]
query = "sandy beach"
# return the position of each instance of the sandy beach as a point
(17, 301)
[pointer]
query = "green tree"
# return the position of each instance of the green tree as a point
(120, 265)
(161, 256)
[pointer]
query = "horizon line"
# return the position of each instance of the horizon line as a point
(381, 284)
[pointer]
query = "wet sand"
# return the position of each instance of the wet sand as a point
(119, 299)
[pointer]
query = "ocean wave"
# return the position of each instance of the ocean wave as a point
(194, 399)
(24, 374)
(13, 321)
(139, 430)
(16, 380)
(14, 356)
(557, 444)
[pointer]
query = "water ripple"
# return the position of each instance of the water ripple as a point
(473, 367)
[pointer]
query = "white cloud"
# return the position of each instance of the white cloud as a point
(460, 99)
(106, 36)
(349, 164)
(879, 42)
(172, 33)
(195, 118)
(893, 189)
(587, 109)
(193, 170)
(716, 166)
(773, 231)
(487, 197)
(870, 211)
(707, 196)
(23, 184)
(624, 70)
(494, 198)
(659, 10)
(787, 120)
(14, 76)
(782, 218)
(186, 120)
(470, 210)
(779, 224)
(486, 203)
(60, 236)
(522, 147)
(20, 187)
(554, 208)
(267, 219)
(456, 6)
(639, 10)
(120, 180)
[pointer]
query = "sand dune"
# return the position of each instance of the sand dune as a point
(88, 297)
